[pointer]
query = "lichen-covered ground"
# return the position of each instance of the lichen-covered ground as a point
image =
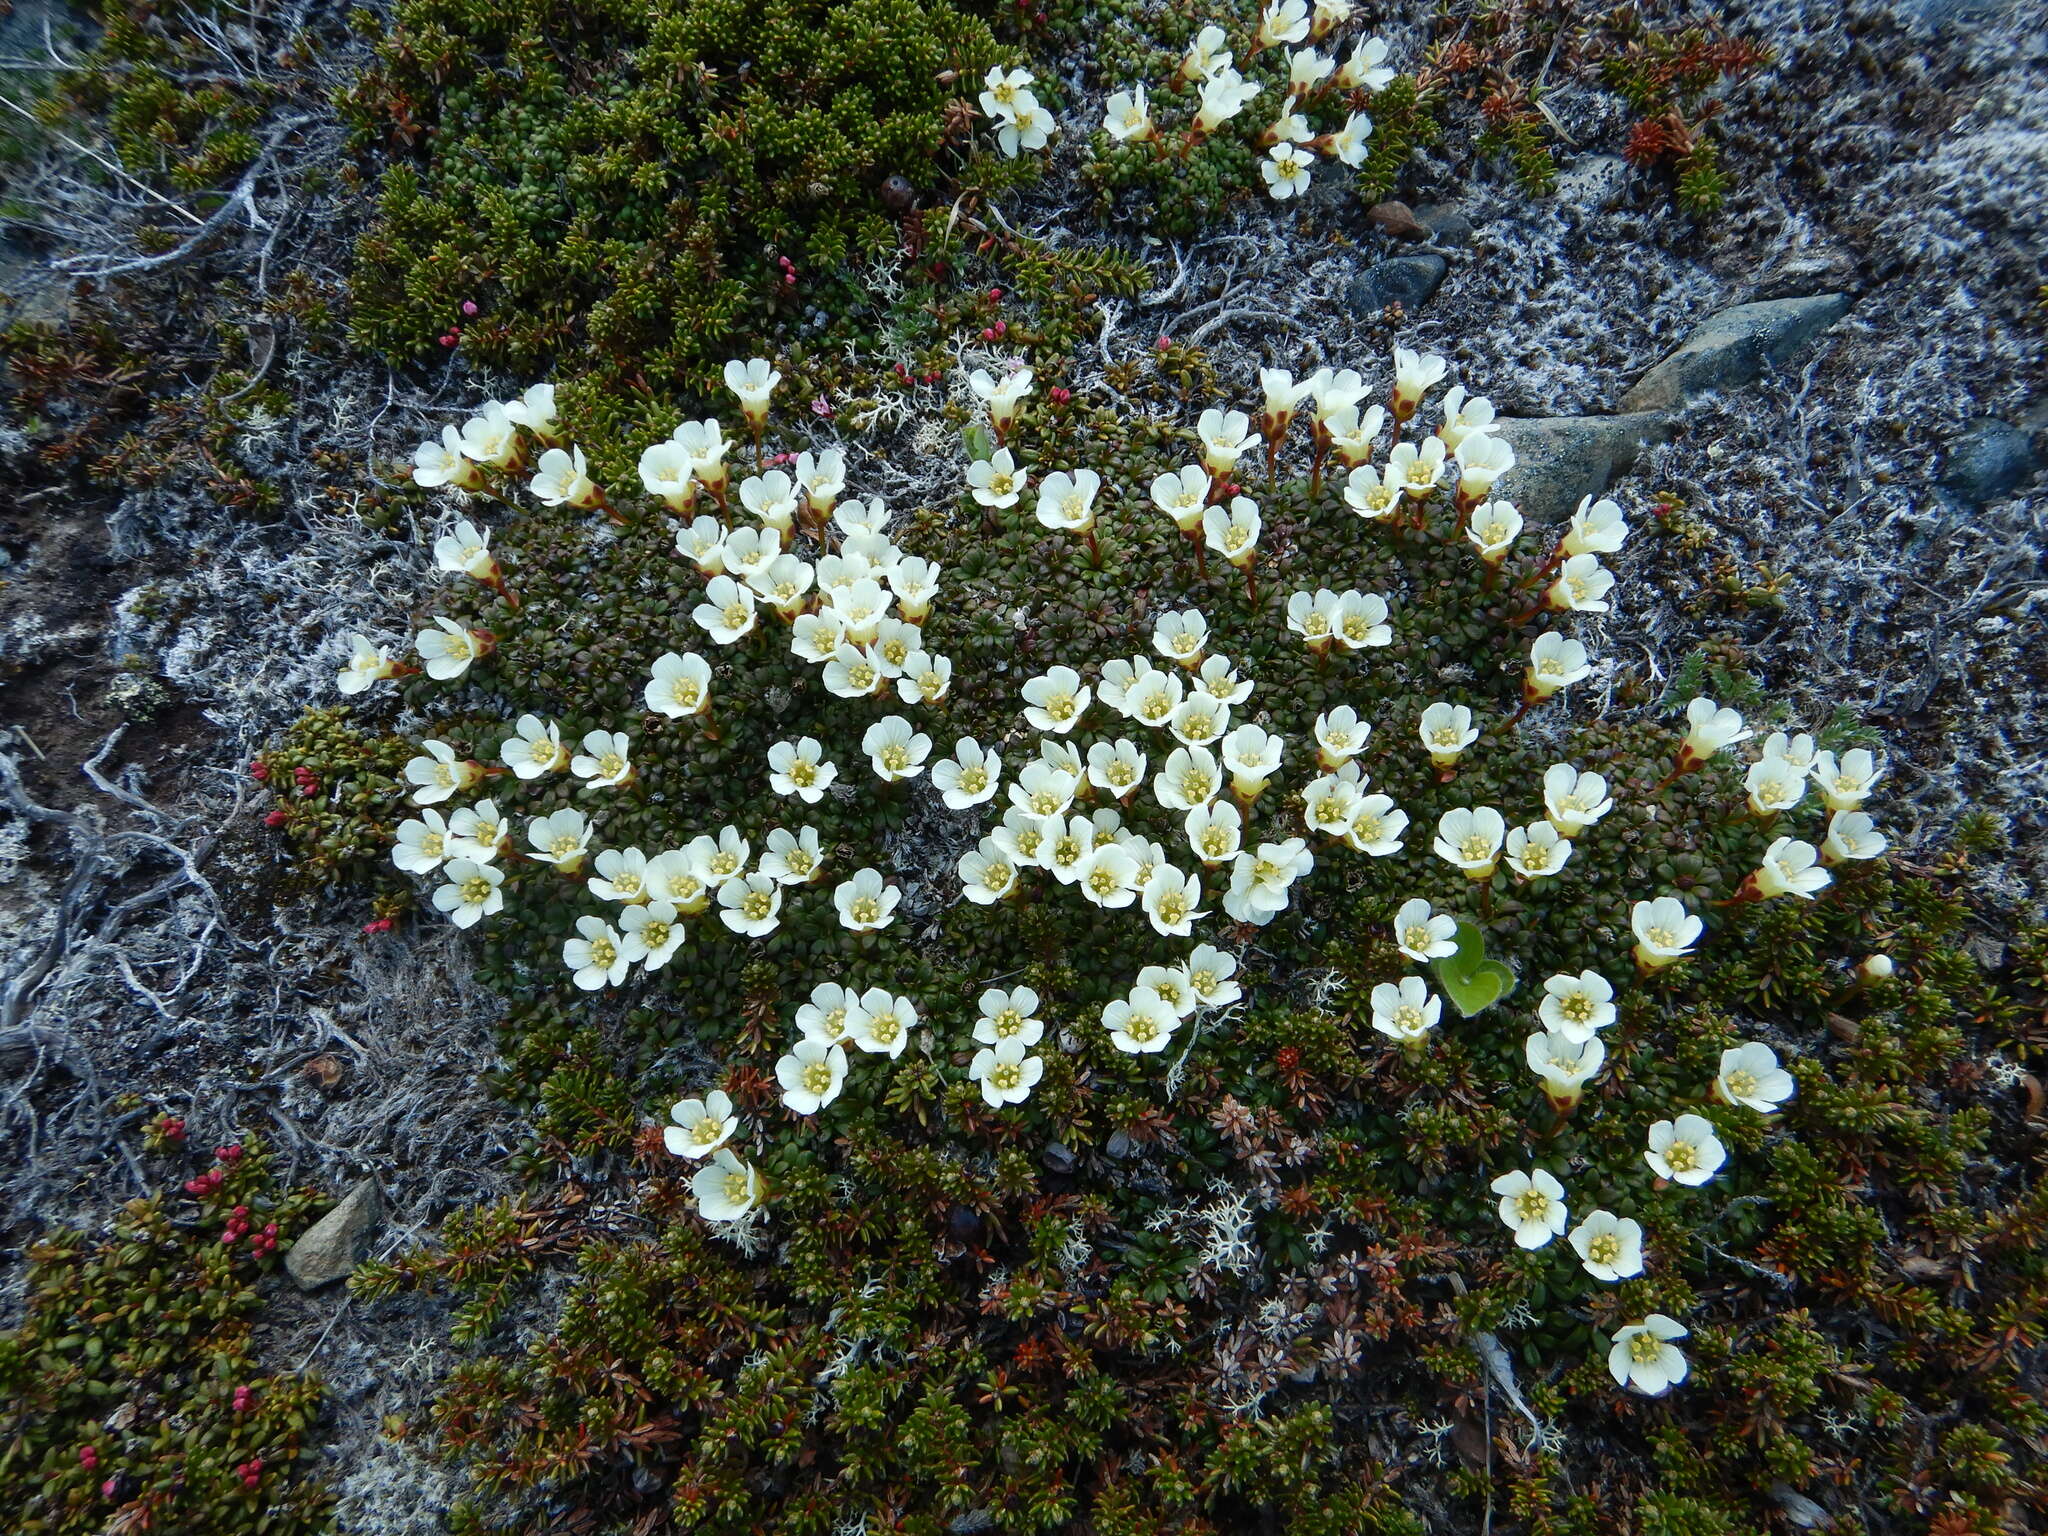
(156, 632)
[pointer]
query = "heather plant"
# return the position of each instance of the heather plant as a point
(1105, 973)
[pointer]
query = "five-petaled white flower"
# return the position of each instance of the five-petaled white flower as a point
(811, 1075)
(448, 648)
(753, 381)
(1844, 783)
(1577, 1007)
(1415, 375)
(1366, 69)
(1234, 534)
(799, 768)
(1537, 851)
(1172, 901)
(478, 832)
(1377, 825)
(1003, 396)
(1127, 116)
(1224, 94)
(1370, 496)
(1685, 1150)
(1572, 800)
(727, 611)
(1182, 494)
(969, 776)
(1643, 1357)
(726, 1188)
(866, 903)
(1493, 528)
(444, 463)
(536, 748)
(996, 481)
(1482, 459)
(1471, 839)
(1140, 1024)
(1286, 170)
(1407, 1011)
(1224, 435)
(1750, 1076)
(1581, 586)
(1212, 976)
(606, 760)
(701, 1126)
(650, 934)
(1009, 1015)
(1006, 1074)
(1709, 728)
(1565, 1065)
(1340, 736)
(793, 858)
(596, 956)
(422, 844)
(1531, 1205)
(751, 904)
(680, 686)
(988, 872)
(1056, 700)
(465, 550)
(1423, 934)
(1418, 469)
(472, 892)
(1447, 730)
(562, 479)
(1789, 868)
(438, 774)
(1116, 766)
(1665, 932)
(1609, 1247)
(1597, 528)
(1851, 835)
(1554, 662)
(894, 749)
(881, 1022)
(368, 663)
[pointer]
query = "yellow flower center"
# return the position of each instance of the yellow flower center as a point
(894, 650)
(1645, 1348)
(458, 647)
(1532, 1205)
(1067, 850)
(1408, 1019)
(1060, 706)
(432, 845)
(1742, 1083)
(803, 774)
(1103, 882)
(1203, 983)
(684, 693)
(1421, 473)
(998, 875)
(1196, 786)
(1234, 538)
(1216, 842)
(1681, 1157)
(1577, 1007)
(884, 1027)
(1536, 855)
(565, 845)
(1006, 1023)
(626, 883)
(756, 905)
(1200, 724)
(799, 861)
(724, 864)
(1317, 625)
(602, 953)
(611, 766)
(737, 1189)
(707, 1131)
(1604, 1249)
(654, 934)
(1661, 937)
(818, 1077)
(895, 758)
(735, 616)
(476, 890)
(1173, 907)
(1446, 736)
(1416, 937)
(1028, 841)
(866, 910)
(1475, 849)
(1366, 826)
(1141, 1028)
(931, 685)
(861, 675)
(1356, 629)
(1006, 1076)
(1169, 989)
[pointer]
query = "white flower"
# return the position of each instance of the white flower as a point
(969, 776)
(1107, 876)
(444, 463)
(1003, 89)
(1066, 847)
(1482, 459)
(996, 481)
(1199, 720)
(477, 832)
(1329, 803)
(987, 873)
(750, 905)
(650, 934)
(926, 678)
(1796, 750)
(1224, 94)
(1215, 832)
(811, 1075)
(1843, 784)
(915, 581)
(1597, 528)
(1493, 529)
(1028, 127)
(701, 1126)
(726, 1188)
(1234, 534)
(1005, 1073)
(1152, 699)
(1329, 15)
(1362, 621)
(422, 844)
(1212, 976)
(828, 1016)
(1351, 143)
(1709, 728)
(1217, 678)
(1377, 825)
(1286, 169)
(821, 477)
(1774, 785)
(670, 878)
(1750, 1076)
(866, 904)
(1043, 789)
(1554, 662)
(894, 749)
(1181, 637)
(1173, 901)
(1004, 397)
(621, 875)
(1644, 1358)
(606, 759)
(1536, 850)
(854, 672)
(1282, 21)
(1205, 55)
(1117, 767)
(753, 381)
(799, 768)
(1665, 932)
(1056, 700)
(1610, 1247)
(665, 472)
(1423, 934)
(1313, 617)
(1336, 392)
(793, 858)
(1790, 868)
(702, 543)
(437, 774)
(472, 892)
(705, 443)
(1405, 1012)
(1447, 730)
(1009, 1015)
(1128, 116)
(727, 611)
(1174, 987)
(563, 479)
(1415, 375)
(881, 1022)
(491, 437)
(1369, 496)
(1224, 436)
(596, 955)
(715, 861)
(1261, 882)
(1581, 586)
(1189, 777)
(1577, 1007)
(1531, 1205)
(1851, 835)
(771, 498)
(1366, 68)
(750, 551)
(1685, 1150)
(367, 663)
(466, 551)
(1418, 470)
(449, 648)
(535, 411)
(1340, 736)
(1572, 800)
(1464, 416)
(1471, 839)
(1564, 1064)
(1182, 495)
(1140, 1024)
(680, 686)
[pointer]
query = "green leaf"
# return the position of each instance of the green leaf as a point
(1470, 980)
(979, 443)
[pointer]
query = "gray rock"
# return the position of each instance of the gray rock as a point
(1446, 223)
(1734, 348)
(1594, 182)
(327, 1250)
(1560, 459)
(1988, 461)
(1405, 280)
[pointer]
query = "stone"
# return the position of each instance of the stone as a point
(1561, 459)
(1988, 461)
(1595, 183)
(1405, 280)
(326, 1251)
(1445, 223)
(1735, 348)
(1397, 219)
